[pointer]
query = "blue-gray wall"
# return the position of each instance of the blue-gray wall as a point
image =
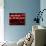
(30, 7)
(43, 6)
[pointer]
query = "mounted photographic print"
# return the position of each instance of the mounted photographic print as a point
(16, 18)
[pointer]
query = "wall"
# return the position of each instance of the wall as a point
(30, 7)
(43, 6)
(1, 21)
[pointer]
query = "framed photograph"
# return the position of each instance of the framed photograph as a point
(16, 18)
